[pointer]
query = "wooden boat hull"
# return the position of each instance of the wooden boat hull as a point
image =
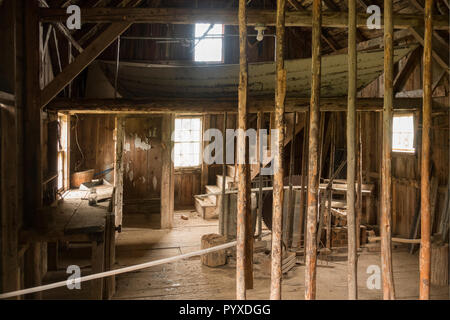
(150, 80)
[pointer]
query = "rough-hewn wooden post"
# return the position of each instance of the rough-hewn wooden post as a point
(260, 178)
(244, 248)
(359, 183)
(277, 209)
(351, 153)
(386, 179)
(224, 174)
(118, 169)
(32, 149)
(167, 180)
(313, 166)
(425, 213)
(291, 198)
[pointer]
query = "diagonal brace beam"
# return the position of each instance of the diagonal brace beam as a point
(82, 61)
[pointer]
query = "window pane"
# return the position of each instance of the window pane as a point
(208, 48)
(403, 133)
(187, 142)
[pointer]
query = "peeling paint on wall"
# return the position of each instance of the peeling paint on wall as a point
(139, 144)
(131, 175)
(127, 147)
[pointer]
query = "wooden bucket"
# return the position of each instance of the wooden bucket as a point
(81, 177)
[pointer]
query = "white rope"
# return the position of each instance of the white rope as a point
(118, 271)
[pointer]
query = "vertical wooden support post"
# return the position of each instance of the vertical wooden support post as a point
(224, 174)
(304, 181)
(386, 179)
(330, 175)
(98, 265)
(313, 166)
(9, 164)
(118, 169)
(244, 248)
(260, 178)
(277, 209)
(32, 137)
(425, 212)
(167, 177)
(290, 213)
(351, 153)
(359, 197)
(205, 168)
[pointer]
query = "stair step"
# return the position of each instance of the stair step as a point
(213, 189)
(229, 182)
(231, 170)
(205, 208)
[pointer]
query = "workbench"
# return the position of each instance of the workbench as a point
(73, 220)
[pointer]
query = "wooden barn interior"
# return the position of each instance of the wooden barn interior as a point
(339, 110)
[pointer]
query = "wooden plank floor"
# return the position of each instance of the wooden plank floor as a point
(189, 279)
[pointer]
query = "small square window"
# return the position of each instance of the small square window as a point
(208, 42)
(187, 142)
(403, 133)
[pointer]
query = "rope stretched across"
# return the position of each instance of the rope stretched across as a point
(115, 272)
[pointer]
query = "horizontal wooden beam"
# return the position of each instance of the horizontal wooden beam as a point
(217, 105)
(228, 17)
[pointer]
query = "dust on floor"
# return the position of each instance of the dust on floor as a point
(189, 279)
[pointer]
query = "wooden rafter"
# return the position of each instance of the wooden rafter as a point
(228, 17)
(440, 46)
(63, 29)
(332, 6)
(325, 36)
(82, 61)
(403, 75)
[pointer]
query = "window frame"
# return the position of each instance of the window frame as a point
(414, 143)
(63, 152)
(200, 142)
(221, 61)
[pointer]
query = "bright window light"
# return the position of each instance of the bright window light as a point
(208, 42)
(187, 142)
(403, 134)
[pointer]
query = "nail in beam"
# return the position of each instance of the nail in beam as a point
(351, 158)
(277, 209)
(425, 237)
(313, 168)
(244, 248)
(386, 179)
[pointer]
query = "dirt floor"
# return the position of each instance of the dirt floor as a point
(189, 279)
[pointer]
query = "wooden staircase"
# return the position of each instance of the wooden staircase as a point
(208, 207)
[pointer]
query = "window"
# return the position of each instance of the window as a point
(62, 153)
(403, 133)
(187, 142)
(208, 42)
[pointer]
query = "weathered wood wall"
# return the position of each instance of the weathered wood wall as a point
(95, 139)
(187, 184)
(405, 167)
(142, 158)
